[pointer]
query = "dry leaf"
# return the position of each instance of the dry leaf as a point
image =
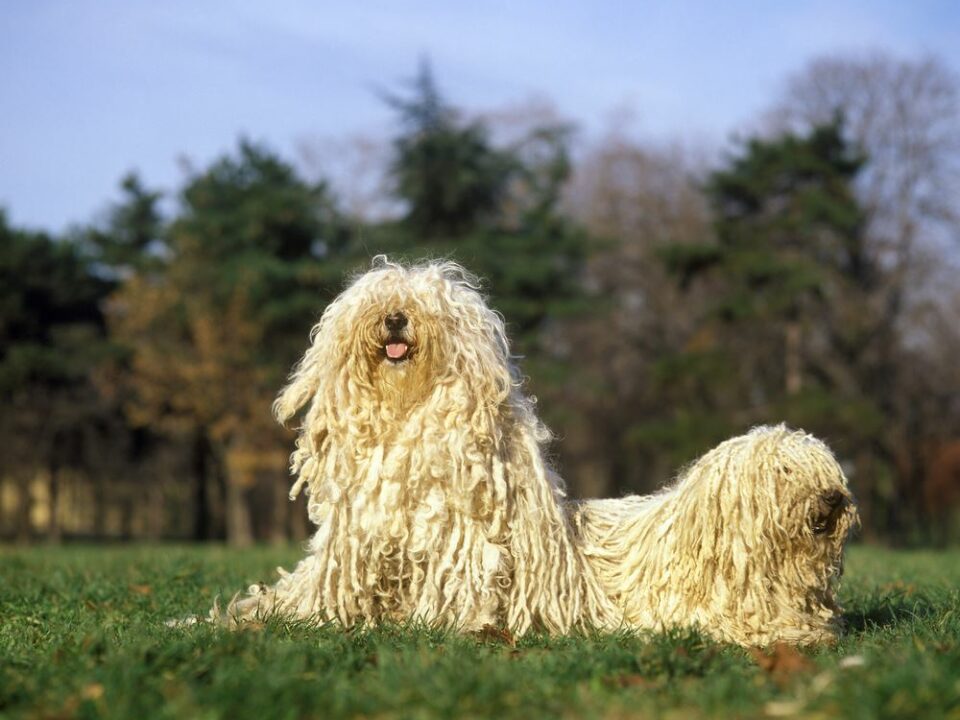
(140, 589)
(631, 680)
(782, 663)
(491, 633)
(783, 708)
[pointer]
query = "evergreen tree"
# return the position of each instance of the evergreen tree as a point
(52, 339)
(445, 171)
(252, 255)
(788, 281)
(496, 210)
(131, 238)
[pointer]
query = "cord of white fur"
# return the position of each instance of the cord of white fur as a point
(444, 510)
(730, 547)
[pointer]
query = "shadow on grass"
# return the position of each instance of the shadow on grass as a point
(887, 610)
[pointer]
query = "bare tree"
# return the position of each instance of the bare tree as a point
(633, 199)
(357, 168)
(904, 114)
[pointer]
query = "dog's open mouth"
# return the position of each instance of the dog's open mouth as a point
(396, 350)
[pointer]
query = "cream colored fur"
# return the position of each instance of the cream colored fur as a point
(432, 499)
(747, 544)
(426, 479)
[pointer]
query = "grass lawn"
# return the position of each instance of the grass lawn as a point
(82, 635)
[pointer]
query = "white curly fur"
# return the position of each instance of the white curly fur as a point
(426, 478)
(747, 544)
(432, 499)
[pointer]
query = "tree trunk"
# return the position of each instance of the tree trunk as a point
(866, 495)
(299, 523)
(239, 526)
(99, 506)
(278, 525)
(23, 531)
(202, 527)
(793, 370)
(54, 530)
(156, 520)
(239, 523)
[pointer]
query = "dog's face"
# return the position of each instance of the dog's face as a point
(401, 332)
(783, 508)
(832, 514)
(400, 346)
(398, 336)
(821, 517)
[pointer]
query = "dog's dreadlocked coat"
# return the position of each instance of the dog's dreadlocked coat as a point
(423, 462)
(747, 544)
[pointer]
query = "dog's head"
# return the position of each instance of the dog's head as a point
(784, 486)
(758, 527)
(819, 508)
(781, 512)
(399, 333)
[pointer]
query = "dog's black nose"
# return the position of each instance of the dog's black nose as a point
(396, 322)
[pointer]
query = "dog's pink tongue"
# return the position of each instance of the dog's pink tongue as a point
(395, 351)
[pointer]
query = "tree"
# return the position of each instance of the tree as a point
(496, 210)
(252, 254)
(633, 198)
(130, 238)
(905, 115)
(789, 277)
(445, 170)
(52, 338)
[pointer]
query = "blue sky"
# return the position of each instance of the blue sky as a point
(90, 90)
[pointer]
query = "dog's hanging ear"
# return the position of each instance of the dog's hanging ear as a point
(304, 381)
(482, 358)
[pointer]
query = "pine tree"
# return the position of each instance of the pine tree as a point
(52, 339)
(251, 257)
(788, 281)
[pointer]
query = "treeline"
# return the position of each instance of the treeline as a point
(659, 306)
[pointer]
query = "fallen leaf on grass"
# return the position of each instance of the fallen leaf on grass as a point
(782, 708)
(93, 691)
(631, 680)
(527, 652)
(491, 633)
(782, 663)
(899, 586)
(140, 589)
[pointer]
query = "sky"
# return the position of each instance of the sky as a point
(91, 90)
